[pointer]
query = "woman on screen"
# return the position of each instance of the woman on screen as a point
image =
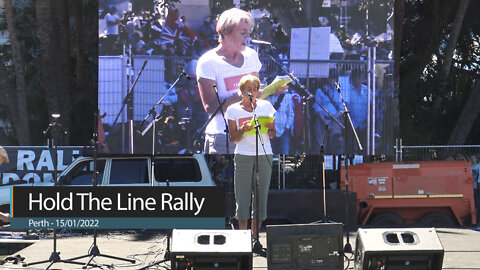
(223, 67)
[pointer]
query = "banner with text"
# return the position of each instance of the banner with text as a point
(117, 207)
(35, 164)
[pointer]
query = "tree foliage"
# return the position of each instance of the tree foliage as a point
(58, 48)
(427, 28)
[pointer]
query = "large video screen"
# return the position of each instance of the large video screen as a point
(337, 54)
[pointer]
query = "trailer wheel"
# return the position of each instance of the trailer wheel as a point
(387, 219)
(436, 219)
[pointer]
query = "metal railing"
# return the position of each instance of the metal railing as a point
(299, 171)
(433, 152)
(296, 171)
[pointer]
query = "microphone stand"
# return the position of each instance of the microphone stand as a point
(153, 113)
(52, 132)
(224, 120)
(227, 133)
(324, 218)
(94, 250)
(322, 157)
(201, 129)
(186, 123)
(257, 246)
(166, 256)
(348, 120)
(129, 100)
(152, 164)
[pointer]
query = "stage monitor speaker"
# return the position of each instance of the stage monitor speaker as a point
(211, 249)
(305, 246)
(392, 249)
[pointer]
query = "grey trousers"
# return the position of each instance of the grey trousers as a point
(245, 191)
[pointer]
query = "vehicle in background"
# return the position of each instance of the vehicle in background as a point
(130, 170)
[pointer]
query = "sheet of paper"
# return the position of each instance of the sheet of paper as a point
(262, 120)
(278, 82)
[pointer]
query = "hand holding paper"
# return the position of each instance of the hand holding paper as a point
(246, 127)
(270, 125)
(278, 82)
(262, 120)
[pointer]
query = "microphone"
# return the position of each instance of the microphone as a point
(215, 88)
(254, 42)
(249, 94)
(186, 75)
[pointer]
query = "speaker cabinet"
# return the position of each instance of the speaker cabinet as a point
(392, 249)
(305, 246)
(211, 249)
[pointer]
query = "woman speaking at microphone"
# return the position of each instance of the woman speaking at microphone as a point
(223, 66)
(239, 116)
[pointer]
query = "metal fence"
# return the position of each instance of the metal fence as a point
(112, 86)
(434, 152)
(297, 171)
(302, 171)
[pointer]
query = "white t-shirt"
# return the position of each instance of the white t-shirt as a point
(111, 29)
(247, 145)
(212, 66)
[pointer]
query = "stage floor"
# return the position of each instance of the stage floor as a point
(462, 249)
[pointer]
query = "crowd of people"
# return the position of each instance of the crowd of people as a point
(154, 33)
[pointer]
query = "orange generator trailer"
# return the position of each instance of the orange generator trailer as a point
(431, 193)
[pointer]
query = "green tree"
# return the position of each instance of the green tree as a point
(438, 71)
(59, 50)
(54, 57)
(18, 108)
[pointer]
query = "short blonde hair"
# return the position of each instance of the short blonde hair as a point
(249, 78)
(231, 18)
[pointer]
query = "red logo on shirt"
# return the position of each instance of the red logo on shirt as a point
(243, 120)
(231, 83)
